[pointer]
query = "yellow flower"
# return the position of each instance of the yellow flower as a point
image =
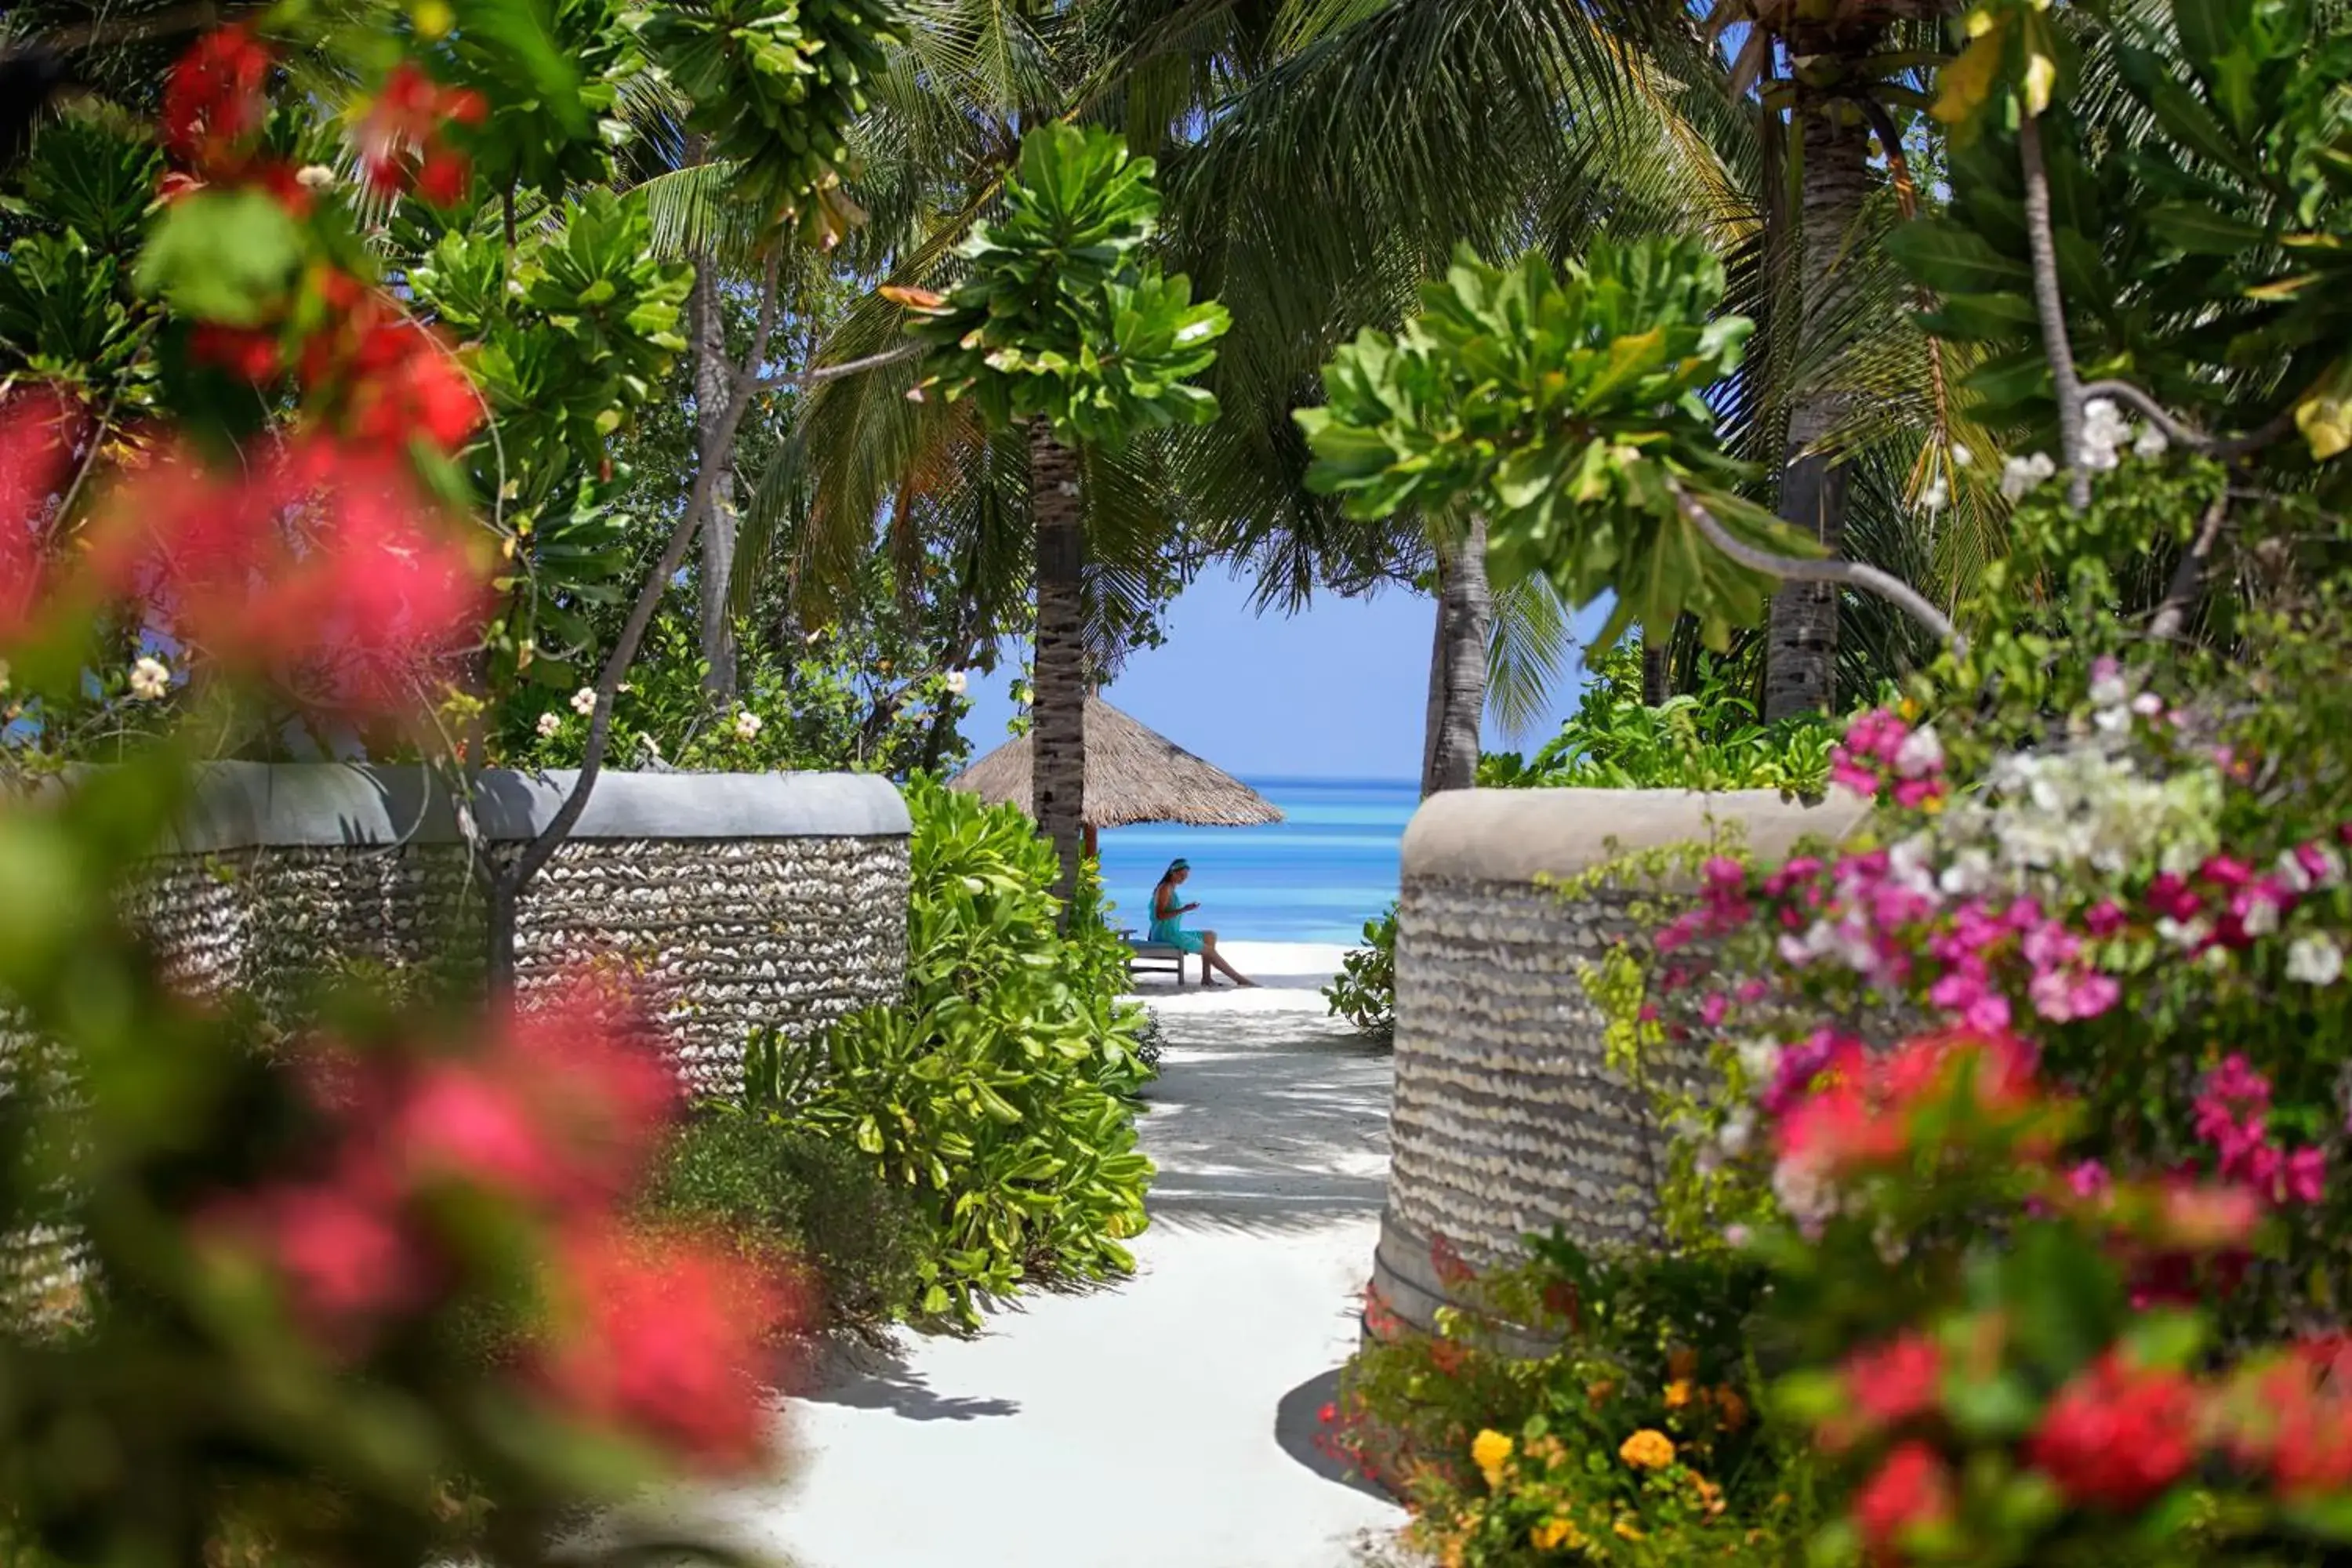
(1648, 1449)
(1678, 1394)
(1490, 1452)
(1597, 1392)
(1625, 1529)
(1556, 1535)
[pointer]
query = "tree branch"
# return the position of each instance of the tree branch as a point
(709, 463)
(2049, 304)
(1848, 573)
(2180, 431)
(2188, 584)
(805, 379)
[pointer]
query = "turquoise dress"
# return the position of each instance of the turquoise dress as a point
(1170, 929)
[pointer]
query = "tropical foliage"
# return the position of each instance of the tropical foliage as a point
(1568, 413)
(997, 1094)
(1705, 738)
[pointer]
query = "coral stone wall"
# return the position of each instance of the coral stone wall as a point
(1507, 1119)
(739, 900)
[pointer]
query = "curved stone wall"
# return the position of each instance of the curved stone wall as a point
(739, 899)
(1506, 1122)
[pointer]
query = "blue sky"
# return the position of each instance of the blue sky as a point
(1334, 692)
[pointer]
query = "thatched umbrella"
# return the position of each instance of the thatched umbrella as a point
(1133, 775)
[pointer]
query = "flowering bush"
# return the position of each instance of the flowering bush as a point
(1636, 1441)
(2009, 1352)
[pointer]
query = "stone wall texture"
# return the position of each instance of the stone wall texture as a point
(1507, 1121)
(737, 902)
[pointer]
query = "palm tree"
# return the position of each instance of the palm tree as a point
(1060, 329)
(1843, 68)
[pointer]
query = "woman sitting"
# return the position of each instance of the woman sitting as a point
(1168, 926)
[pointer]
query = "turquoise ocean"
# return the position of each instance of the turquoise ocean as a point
(1316, 876)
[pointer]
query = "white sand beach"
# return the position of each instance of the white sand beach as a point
(1166, 1421)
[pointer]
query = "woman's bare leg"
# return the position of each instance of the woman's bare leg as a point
(1211, 957)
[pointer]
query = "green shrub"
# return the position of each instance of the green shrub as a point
(781, 1190)
(1364, 990)
(1708, 740)
(998, 1092)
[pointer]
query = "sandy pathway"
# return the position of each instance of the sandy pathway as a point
(1166, 1420)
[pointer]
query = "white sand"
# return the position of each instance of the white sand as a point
(1166, 1420)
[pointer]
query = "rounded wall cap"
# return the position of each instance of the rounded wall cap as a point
(243, 806)
(1530, 835)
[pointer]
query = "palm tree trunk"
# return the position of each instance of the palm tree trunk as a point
(1457, 676)
(707, 321)
(1800, 659)
(1658, 668)
(1057, 773)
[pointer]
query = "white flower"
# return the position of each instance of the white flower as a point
(1961, 455)
(1738, 1131)
(1969, 873)
(2019, 475)
(2109, 689)
(958, 683)
(2315, 961)
(2105, 430)
(1936, 497)
(1920, 754)
(549, 723)
(2183, 934)
(584, 701)
(747, 725)
(151, 680)
(2148, 705)
(1738, 1235)
(2260, 918)
(2150, 443)
(314, 176)
(1759, 1058)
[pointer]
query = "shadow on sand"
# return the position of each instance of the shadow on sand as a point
(1298, 1421)
(879, 1380)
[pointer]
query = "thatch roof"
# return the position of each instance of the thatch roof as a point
(1132, 775)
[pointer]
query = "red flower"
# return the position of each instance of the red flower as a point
(347, 1260)
(2117, 1436)
(319, 571)
(443, 178)
(421, 395)
(37, 431)
(1888, 1385)
(212, 101)
(1444, 1258)
(250, 353)
(1894, 1382)
(1911, 1488)
(663, 1341)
